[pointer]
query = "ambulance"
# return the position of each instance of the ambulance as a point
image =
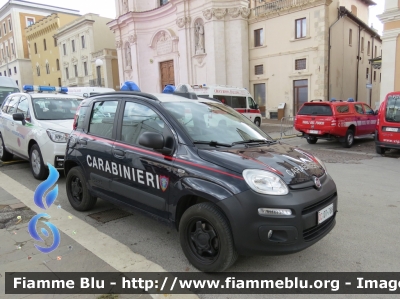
(238, 98)
(88, 91)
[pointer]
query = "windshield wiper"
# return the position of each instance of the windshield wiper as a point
(212, 143)
(254, 141)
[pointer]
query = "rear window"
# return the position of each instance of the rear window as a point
(315, 110)
(342, 109)
(393, 109)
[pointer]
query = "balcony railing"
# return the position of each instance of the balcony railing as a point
(98, 82)
(277, 6)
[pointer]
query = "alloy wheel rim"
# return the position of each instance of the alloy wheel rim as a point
(203, 240)
(36, 162)
(350, 139)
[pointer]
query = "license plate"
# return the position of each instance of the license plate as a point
(325, 213)
(314, 132)
(391, 129)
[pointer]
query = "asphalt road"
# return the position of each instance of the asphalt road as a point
(364, 239)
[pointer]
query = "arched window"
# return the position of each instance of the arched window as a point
(44, 44)
(58, 64)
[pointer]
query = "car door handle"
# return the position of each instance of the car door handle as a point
(82, 141)
(118, 152)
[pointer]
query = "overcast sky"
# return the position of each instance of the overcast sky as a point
(106, 8)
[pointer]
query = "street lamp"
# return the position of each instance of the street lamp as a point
(98, 63)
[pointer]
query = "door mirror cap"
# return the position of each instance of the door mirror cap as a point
(376, 112)
(152, 140)
(85, 95)
(19, 117)
(257, 107)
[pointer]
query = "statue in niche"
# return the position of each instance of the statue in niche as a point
(199, 29)
(128, 57)
(125, 6)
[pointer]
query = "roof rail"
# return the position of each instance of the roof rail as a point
(316, 101)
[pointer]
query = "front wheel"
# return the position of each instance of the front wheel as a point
(206, 238)
(312, 139)
(349, 138)
(77, 191)
(257, 122)
(380, 150)
(39, 170)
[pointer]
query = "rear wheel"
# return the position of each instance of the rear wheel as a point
(380, 150)
(4, 154)
(349, 138)
(257, 121)
(312, 139)
(206, 238)
(78, 192)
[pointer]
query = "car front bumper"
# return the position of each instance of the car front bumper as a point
(53, 153)
(289, 233)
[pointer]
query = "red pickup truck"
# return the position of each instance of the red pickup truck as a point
(341, 120)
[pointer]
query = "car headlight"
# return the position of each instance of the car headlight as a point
(265, 182)
(57, 137)
(322, 164)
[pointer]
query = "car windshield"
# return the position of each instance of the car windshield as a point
(208, 122)
(315, 109)
(55, 108)
(5, 91)
(393, 109)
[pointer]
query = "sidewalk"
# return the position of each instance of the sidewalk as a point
(18, 253)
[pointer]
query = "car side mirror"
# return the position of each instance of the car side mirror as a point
(85, 95)
(155, 141)
(19, 117)
(376, 112)
(257, 107)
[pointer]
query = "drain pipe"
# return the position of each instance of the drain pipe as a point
(358, 59)
(329, 53)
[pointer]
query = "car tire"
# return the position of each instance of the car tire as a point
(39, 170)
(4, 154)
(312, 139)
(77, 191)
(257, 122)
(380, 150)
(206, 238)
(348, 139)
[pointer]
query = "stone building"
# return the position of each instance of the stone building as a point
(43, 48)
(390, 48)
(87, 53)
(15, 16)
(284, 51)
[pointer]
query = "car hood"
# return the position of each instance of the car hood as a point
(64, 125)
(292, 164)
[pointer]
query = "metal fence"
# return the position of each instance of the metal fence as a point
(287, 127)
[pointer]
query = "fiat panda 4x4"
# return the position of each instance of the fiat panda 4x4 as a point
(227, 187)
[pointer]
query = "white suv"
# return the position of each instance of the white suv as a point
(35, 127)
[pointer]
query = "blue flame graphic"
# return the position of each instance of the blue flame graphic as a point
(38, 200)
(43, 187)
(33, 232)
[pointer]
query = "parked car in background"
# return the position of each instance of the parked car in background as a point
(387, 135)
(7, 87)
(86, 92)
(335, 119)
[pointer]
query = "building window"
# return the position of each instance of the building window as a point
(12, 48)
(350, 37)
(58, 64)
(30, 21)
(47, 68)
(258, 38)
(374, 75)
(16, 81)
(376, 51)
(163, 2)
(4, 28)
(369, 48)
(0, 31)
(35, 48)
(15, 69)
(44, 44)
(66, 73)
(83, 41)
(65, 49)
(76, 70)
(9, 25)
(301, 28)
(85, 68)
(9, 72)
(7, 53)
(59, 82)
(38, 70)
(367, 73)
(259, 69)
(300, 64)
(362, 45)
(73, 45)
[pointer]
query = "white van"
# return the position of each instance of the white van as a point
(7, 86)
(238, 98)
(88, 91)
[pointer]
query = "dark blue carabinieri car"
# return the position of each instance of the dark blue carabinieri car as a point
(225, 184)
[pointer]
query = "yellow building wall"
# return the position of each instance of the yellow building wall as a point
(43, 30)
(22, 19)
(115, 74)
